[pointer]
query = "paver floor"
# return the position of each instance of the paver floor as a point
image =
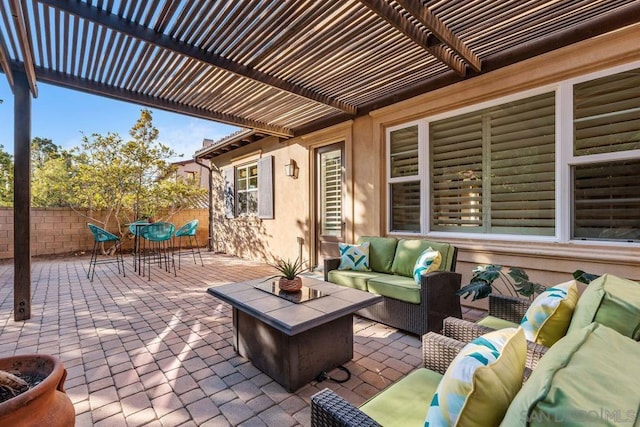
(159, 352)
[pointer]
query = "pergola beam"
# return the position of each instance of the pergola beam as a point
(85, 85)
(440, 31)
(24, 39)
(402, 24)
(147, 35)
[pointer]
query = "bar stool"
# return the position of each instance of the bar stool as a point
(189, 231)
(158, 236)
(100, 236)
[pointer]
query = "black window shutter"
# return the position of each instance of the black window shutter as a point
(265, 187)
(229, 192)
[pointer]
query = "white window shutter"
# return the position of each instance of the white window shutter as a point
(229, 193)
(265, 187)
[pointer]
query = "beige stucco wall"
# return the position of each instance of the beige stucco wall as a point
(58, 231)
(365, 207)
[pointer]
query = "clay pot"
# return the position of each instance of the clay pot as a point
(46, 404)
(293, 285)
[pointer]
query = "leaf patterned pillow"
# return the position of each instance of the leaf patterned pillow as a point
(429, 260)
(549, 315)
(481, 382)
(354, 257)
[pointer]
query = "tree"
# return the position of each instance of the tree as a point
(43, 149)
(129, 180)
(6, 178)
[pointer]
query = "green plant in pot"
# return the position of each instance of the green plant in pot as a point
(516, 282)
(290, 281)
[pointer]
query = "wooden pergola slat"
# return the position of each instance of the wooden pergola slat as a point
(4, 62)
(402, 24)
(77, 83)
(147, 35)
(24, 39)
(440, 30)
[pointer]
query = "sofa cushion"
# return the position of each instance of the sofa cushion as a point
(401, 404)
(429, 260)
(549, 315)
(496, 323)
(352, 279)
(397, 287)
(381, 252)
(589, 377)
(408, 251)
(481, 381)
(354, 257)
(610, 301)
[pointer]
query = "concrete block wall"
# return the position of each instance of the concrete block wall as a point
(57, 231)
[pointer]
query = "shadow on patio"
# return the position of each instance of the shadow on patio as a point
(160, 353)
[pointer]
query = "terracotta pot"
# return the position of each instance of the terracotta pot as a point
(46, 404)
(293, 285)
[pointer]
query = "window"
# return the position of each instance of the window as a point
(248, 189)
(404, 182)
(606, 123)
(560, 164)
(493, 171)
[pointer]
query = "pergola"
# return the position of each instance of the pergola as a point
(276, 67)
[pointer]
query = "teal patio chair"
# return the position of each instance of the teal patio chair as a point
(158, 237)
(101, 236)
(135, 228)
(189, 231)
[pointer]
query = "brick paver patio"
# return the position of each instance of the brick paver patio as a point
(159, 352)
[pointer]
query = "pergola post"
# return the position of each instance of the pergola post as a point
(22, 198)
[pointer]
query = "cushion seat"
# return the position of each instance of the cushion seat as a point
(396, 406)
(352, 279)
(393, 286)
(496, 323)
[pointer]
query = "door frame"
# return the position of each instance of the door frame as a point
(335, 134)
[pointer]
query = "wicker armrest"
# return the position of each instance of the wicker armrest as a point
(463, 330)
(439, 351)
(330, 264)
(508, 308)
(330, 410)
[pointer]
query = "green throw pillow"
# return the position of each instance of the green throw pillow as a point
(610, 301)
(354, 257)
(588, 378)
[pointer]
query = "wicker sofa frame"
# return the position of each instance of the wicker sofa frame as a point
(505, 307)
(438, 300)
(330, 410)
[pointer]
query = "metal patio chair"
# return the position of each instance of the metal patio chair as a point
(188, 230)
(158, 236)
(101, 236)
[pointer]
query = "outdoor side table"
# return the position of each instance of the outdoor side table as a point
(293, 342)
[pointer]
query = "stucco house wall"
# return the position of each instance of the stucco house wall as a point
(365, 204)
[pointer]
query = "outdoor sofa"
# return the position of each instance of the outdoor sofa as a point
(406, 305)
(588, 377)
(609, 300)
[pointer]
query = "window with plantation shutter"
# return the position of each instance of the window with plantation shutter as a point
(331, 192)
(493, 171)
(606, 192)
(607, 201)
(607, 114)
(404, 181)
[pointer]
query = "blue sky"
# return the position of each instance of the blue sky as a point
(62, 114)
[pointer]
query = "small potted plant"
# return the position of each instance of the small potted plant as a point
(289, 271)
